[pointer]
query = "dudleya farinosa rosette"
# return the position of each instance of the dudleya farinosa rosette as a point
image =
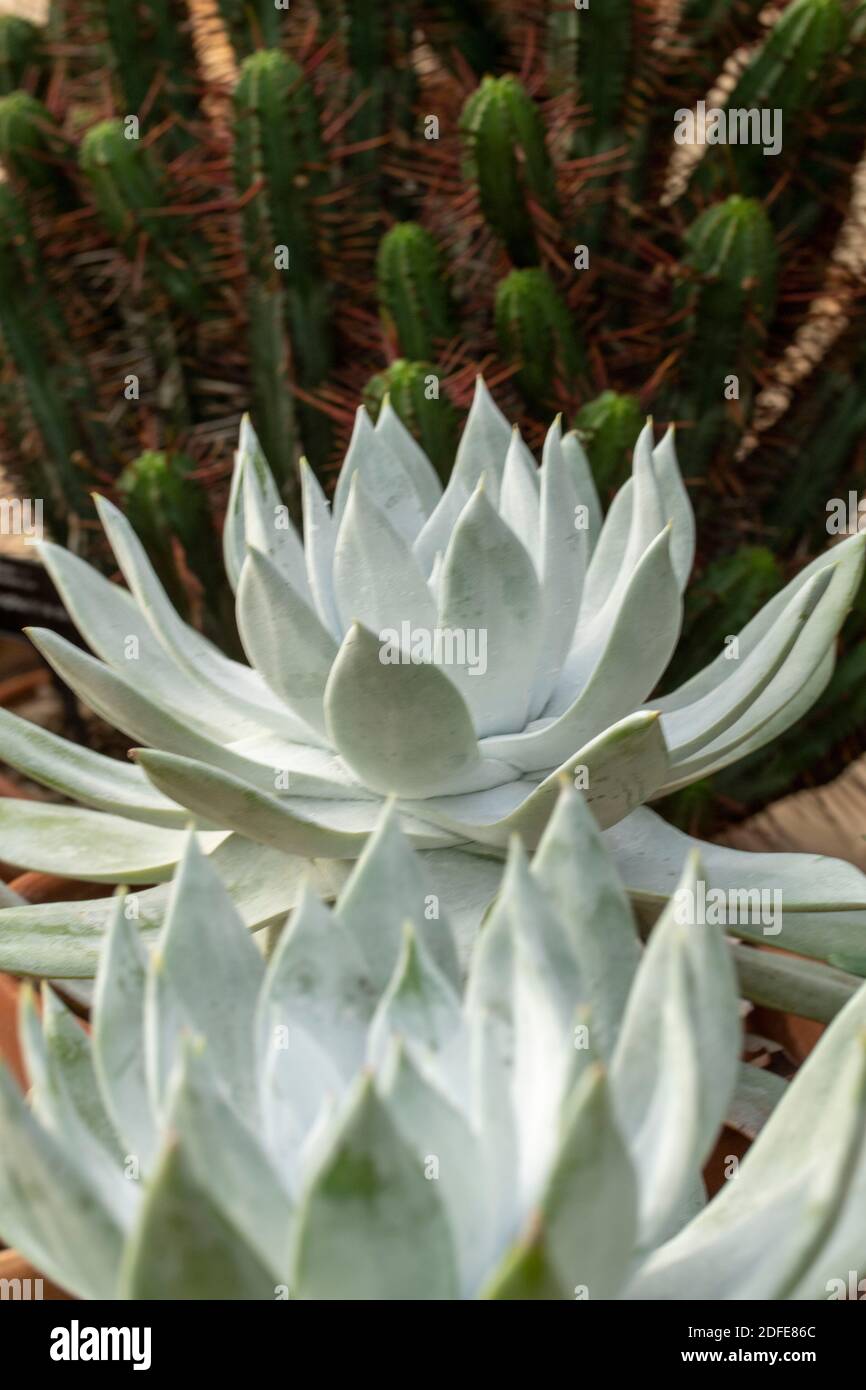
(543, 632)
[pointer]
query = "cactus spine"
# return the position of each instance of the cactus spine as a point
(413, 291)
(535, 332)
(507, 160)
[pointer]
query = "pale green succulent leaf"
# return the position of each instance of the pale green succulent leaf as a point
(204, 957)
(234, 544)
(65, 840)
(584, 484)
(848, 556)
(118, 1037)
(235, 684)
(228, 1164)
(117, 631)
(619, 768)
(65, 939)
(579, 880)
(384, 475)
(269, 529)
(563, 553)
(675, 1067)
(47, 1210)
(258, 815)
(394, 434)
(320, 536)
(449, 1150)
(388, 886)
(579, 1242)
(403, 729)
(623, 669)
(421, 1005)
(371, 1225)
(676, 507)
(185, 1248)
(284, 639)
(519, 494)
(488, 587)
(377, 580)
(484, 444)
(106, 784)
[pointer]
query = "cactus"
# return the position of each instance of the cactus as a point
(129, 189)
(167, 505)
(32, 146)
(153, 59)
(412, 289)
(535, 331)
(731, 261)
(507, 159)
(40, 343)
(608, 427)
(277, 139)
(414, 392)
(249, 22)
(21, 48)
(471, 28)
(379, 93)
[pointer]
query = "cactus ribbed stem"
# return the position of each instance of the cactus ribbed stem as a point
(412, 289)
(536, 332)
(508, 162)
(608, 427)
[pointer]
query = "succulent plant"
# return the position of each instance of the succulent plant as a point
(459, 651)
(535, 331)
(413, 389)
(344, 1120)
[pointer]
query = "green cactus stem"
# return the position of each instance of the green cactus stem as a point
(608, 427)
(507, 160)
(535, 331)
(413, 291)
(278, 141)
(33, 149)
(129, 188)
(21, 48)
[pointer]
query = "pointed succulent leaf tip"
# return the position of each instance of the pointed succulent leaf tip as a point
(387, 888)
(681, 1030)
(419, 1004)
(370, 1194)
(490, 592)
(376, 577)
(485, 441)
